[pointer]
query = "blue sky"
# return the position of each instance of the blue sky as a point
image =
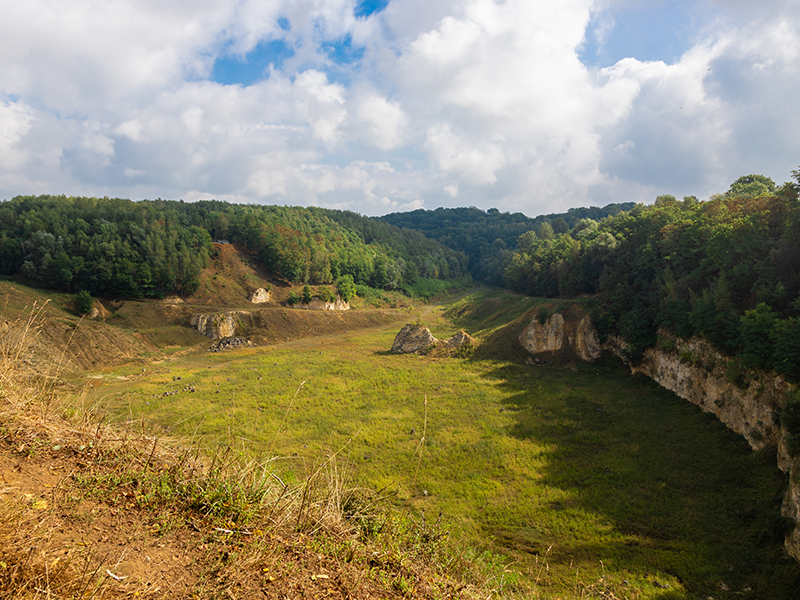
(382, 105)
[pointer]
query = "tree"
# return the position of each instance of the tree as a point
(751, 186)
(345, 287)
(82, 302)
(306, 294)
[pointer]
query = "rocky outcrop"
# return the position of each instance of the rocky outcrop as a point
(416, 338)
(460, 340)
(413, 338)
(558, 333)
(230, 343)
(696, 372)
(260, 296)
(220, 325)
(317, 304)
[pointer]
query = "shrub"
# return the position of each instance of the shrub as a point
(82, 302)
(734, 373)
(326, 295)
(543, 314)
(293, 299)
(345, 287)
(790, 421)
(307, 294)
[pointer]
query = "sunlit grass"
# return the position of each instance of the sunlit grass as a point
(586, 478)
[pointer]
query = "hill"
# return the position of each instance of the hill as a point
(148, 249)
(488, 237)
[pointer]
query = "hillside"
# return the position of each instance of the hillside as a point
(148, 249)
(487, 238)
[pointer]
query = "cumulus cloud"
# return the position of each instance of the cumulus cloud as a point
(440, 102)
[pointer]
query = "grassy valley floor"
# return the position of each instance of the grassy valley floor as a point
(580, 479)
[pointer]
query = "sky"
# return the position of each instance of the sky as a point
(380, 106)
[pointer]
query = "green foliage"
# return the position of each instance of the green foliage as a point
(293, 299)
(307, 296)
(790, 421)
(757, 341)
(345, 287)
(487, 238)
(326, 295)
(146, 249)
(751, 186)
(785, 337)
(82, 302)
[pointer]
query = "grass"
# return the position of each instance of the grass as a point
(242, 527)
(584, 480)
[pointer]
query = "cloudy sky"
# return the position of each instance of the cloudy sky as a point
(388, 105)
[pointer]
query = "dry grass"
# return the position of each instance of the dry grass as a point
(92, 511)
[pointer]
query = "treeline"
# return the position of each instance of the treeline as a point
(488, 238)
(149, 248)
(727, 269)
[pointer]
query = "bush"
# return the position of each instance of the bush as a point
(307, 297)
(82, 302)
(326, 295)
(345, 287)
(293, 299)
(790, 421)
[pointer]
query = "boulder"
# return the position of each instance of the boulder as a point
(413, 338)
(260, 296)
(460, 340)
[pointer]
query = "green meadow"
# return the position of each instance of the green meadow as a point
(581, 480)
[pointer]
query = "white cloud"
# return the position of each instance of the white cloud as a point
(477, 102)
(451, 190)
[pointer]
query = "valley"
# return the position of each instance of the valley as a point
(577, 478)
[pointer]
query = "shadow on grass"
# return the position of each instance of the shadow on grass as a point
(683, 494)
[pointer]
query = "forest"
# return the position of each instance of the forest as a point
(489, 238)
(727, 269)
(116, 247)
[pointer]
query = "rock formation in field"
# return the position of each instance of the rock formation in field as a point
(230, 343)
(416, 338)
(220, 325)
(460, 340)
(696, 372)
(413, 338)
(557, 333)
(317, 304)
(260, 296)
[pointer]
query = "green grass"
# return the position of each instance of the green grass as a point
(590, 481)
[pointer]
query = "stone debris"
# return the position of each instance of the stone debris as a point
(230, 343)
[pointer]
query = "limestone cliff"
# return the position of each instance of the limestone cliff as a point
(558, 333)
(696, 372)
(220, 325)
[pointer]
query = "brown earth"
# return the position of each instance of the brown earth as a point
(57, 541)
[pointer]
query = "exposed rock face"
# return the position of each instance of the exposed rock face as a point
(220, 325)
(697, 373)
(260, 296)
(460, 340)
(585, 341)
(556, 333)
(317, 304)
(413, 338)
